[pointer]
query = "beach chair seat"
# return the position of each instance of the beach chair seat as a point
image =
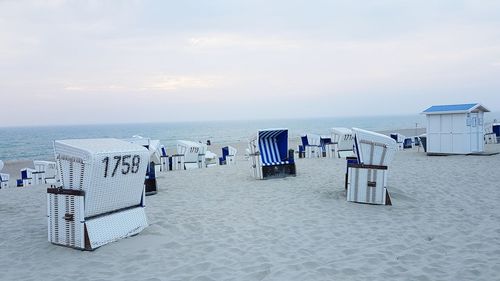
(367, 178)
(4, 180)
(228, 156)
(342, 143)
(269, 154)
(101, 197)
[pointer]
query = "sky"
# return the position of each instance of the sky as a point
(92, 61)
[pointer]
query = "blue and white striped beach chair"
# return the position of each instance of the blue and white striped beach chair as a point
(269, 154)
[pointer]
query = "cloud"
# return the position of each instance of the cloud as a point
(242, 41)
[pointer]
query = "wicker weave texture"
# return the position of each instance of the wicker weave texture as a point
(66, 220)
(110, 228)
(103, 169)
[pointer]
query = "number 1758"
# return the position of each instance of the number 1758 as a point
(124, 164)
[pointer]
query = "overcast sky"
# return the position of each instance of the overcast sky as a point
(80, 62)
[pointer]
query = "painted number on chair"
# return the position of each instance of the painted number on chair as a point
(121, 164)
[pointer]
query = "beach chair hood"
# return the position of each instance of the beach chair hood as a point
(373, 148)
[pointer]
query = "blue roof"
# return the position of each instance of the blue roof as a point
(455, 108)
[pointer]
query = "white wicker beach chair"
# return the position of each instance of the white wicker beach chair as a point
(164, 159)
(27, 178)
(228, 155)
(311, 146)
(45, 172)
(399, 138)
(367, 179)
(101, 198)
(191, 152)
(269, 154)
(4, 180)
(342, 143)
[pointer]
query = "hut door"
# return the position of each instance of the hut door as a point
(475, 132)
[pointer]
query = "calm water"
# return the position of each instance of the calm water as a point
(36, 142)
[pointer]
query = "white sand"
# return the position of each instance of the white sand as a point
(220, 224)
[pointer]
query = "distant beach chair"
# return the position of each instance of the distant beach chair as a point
(496, 129)
(202, 157)
(324, 141)
(342, 145)
(191, 152)
(164, 159)
(101, 198)
(154, 164)
(228, 156)
(269, 154)
(422, 139)
(45, 172)
(26, 177)
(367, 179)
(311, 146)
(211, 159)
(4, 180)
(399, 138)
(407, 143)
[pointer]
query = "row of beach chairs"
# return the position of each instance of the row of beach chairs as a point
(100, 193)
(338, 145)
(189, 155)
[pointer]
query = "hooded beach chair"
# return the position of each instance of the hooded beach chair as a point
(228, 156)
(211, 159)
(4, 178)
(311, 146)
(269, 154)
(191, 152)
(367, 178)
(154, 148)
(45, 172)
(325, 141)
(399, 138)
(342, 143)
(27, 178)
(101, 195)
(164, 159)
(407, 143)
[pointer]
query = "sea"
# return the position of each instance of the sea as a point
(20, 143)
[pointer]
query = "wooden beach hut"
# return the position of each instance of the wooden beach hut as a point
(455, 129)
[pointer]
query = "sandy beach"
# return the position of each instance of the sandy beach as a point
(220, 224)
